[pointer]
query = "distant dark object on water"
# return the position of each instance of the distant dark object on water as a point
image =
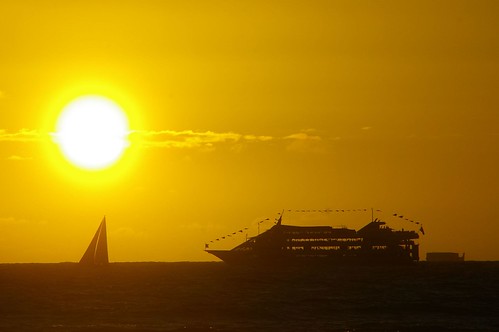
(444, 257)
(375, 243)
(96, 253)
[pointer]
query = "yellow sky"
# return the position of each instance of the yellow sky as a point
(242, 109)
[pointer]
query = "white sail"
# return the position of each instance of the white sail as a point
(96, 253)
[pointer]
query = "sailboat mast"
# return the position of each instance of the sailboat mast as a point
(96, 253)
(101, 255)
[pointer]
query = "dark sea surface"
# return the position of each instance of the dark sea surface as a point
(217, 297)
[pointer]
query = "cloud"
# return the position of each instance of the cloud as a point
(303, 137)
(18, 158)
(23, 135)
(13, 221)
(258, 138)
(184, 139)
(6, 221)
(128, 232)
(305, 143)
(302, 141)
(192, 139)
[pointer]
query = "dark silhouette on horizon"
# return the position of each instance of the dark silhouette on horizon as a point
(375, 243)
(96, 253)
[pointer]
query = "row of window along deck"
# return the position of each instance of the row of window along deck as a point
(326, 248)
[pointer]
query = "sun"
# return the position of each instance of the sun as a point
(92, 132)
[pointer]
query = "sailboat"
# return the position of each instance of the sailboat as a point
(96, 253)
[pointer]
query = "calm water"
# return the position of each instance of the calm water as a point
(215, 297)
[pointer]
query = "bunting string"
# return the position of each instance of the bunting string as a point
(229, 235)
(395, 215)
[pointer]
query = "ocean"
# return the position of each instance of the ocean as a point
(216, 297)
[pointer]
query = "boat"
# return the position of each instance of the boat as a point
(444, 257)
(96, 253)
(375, 243)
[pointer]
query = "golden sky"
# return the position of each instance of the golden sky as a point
(239, 109)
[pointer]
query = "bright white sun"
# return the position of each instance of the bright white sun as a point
(92, 132)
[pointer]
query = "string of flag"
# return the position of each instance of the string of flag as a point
(240, 231)
(400, 216)
(229, 235)
(396, 215)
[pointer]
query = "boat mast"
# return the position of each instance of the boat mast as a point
(280, 218)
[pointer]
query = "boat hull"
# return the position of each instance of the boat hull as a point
(242, 258)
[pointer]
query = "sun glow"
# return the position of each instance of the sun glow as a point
(92, 132)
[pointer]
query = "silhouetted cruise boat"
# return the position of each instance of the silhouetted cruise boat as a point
(375, 243)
